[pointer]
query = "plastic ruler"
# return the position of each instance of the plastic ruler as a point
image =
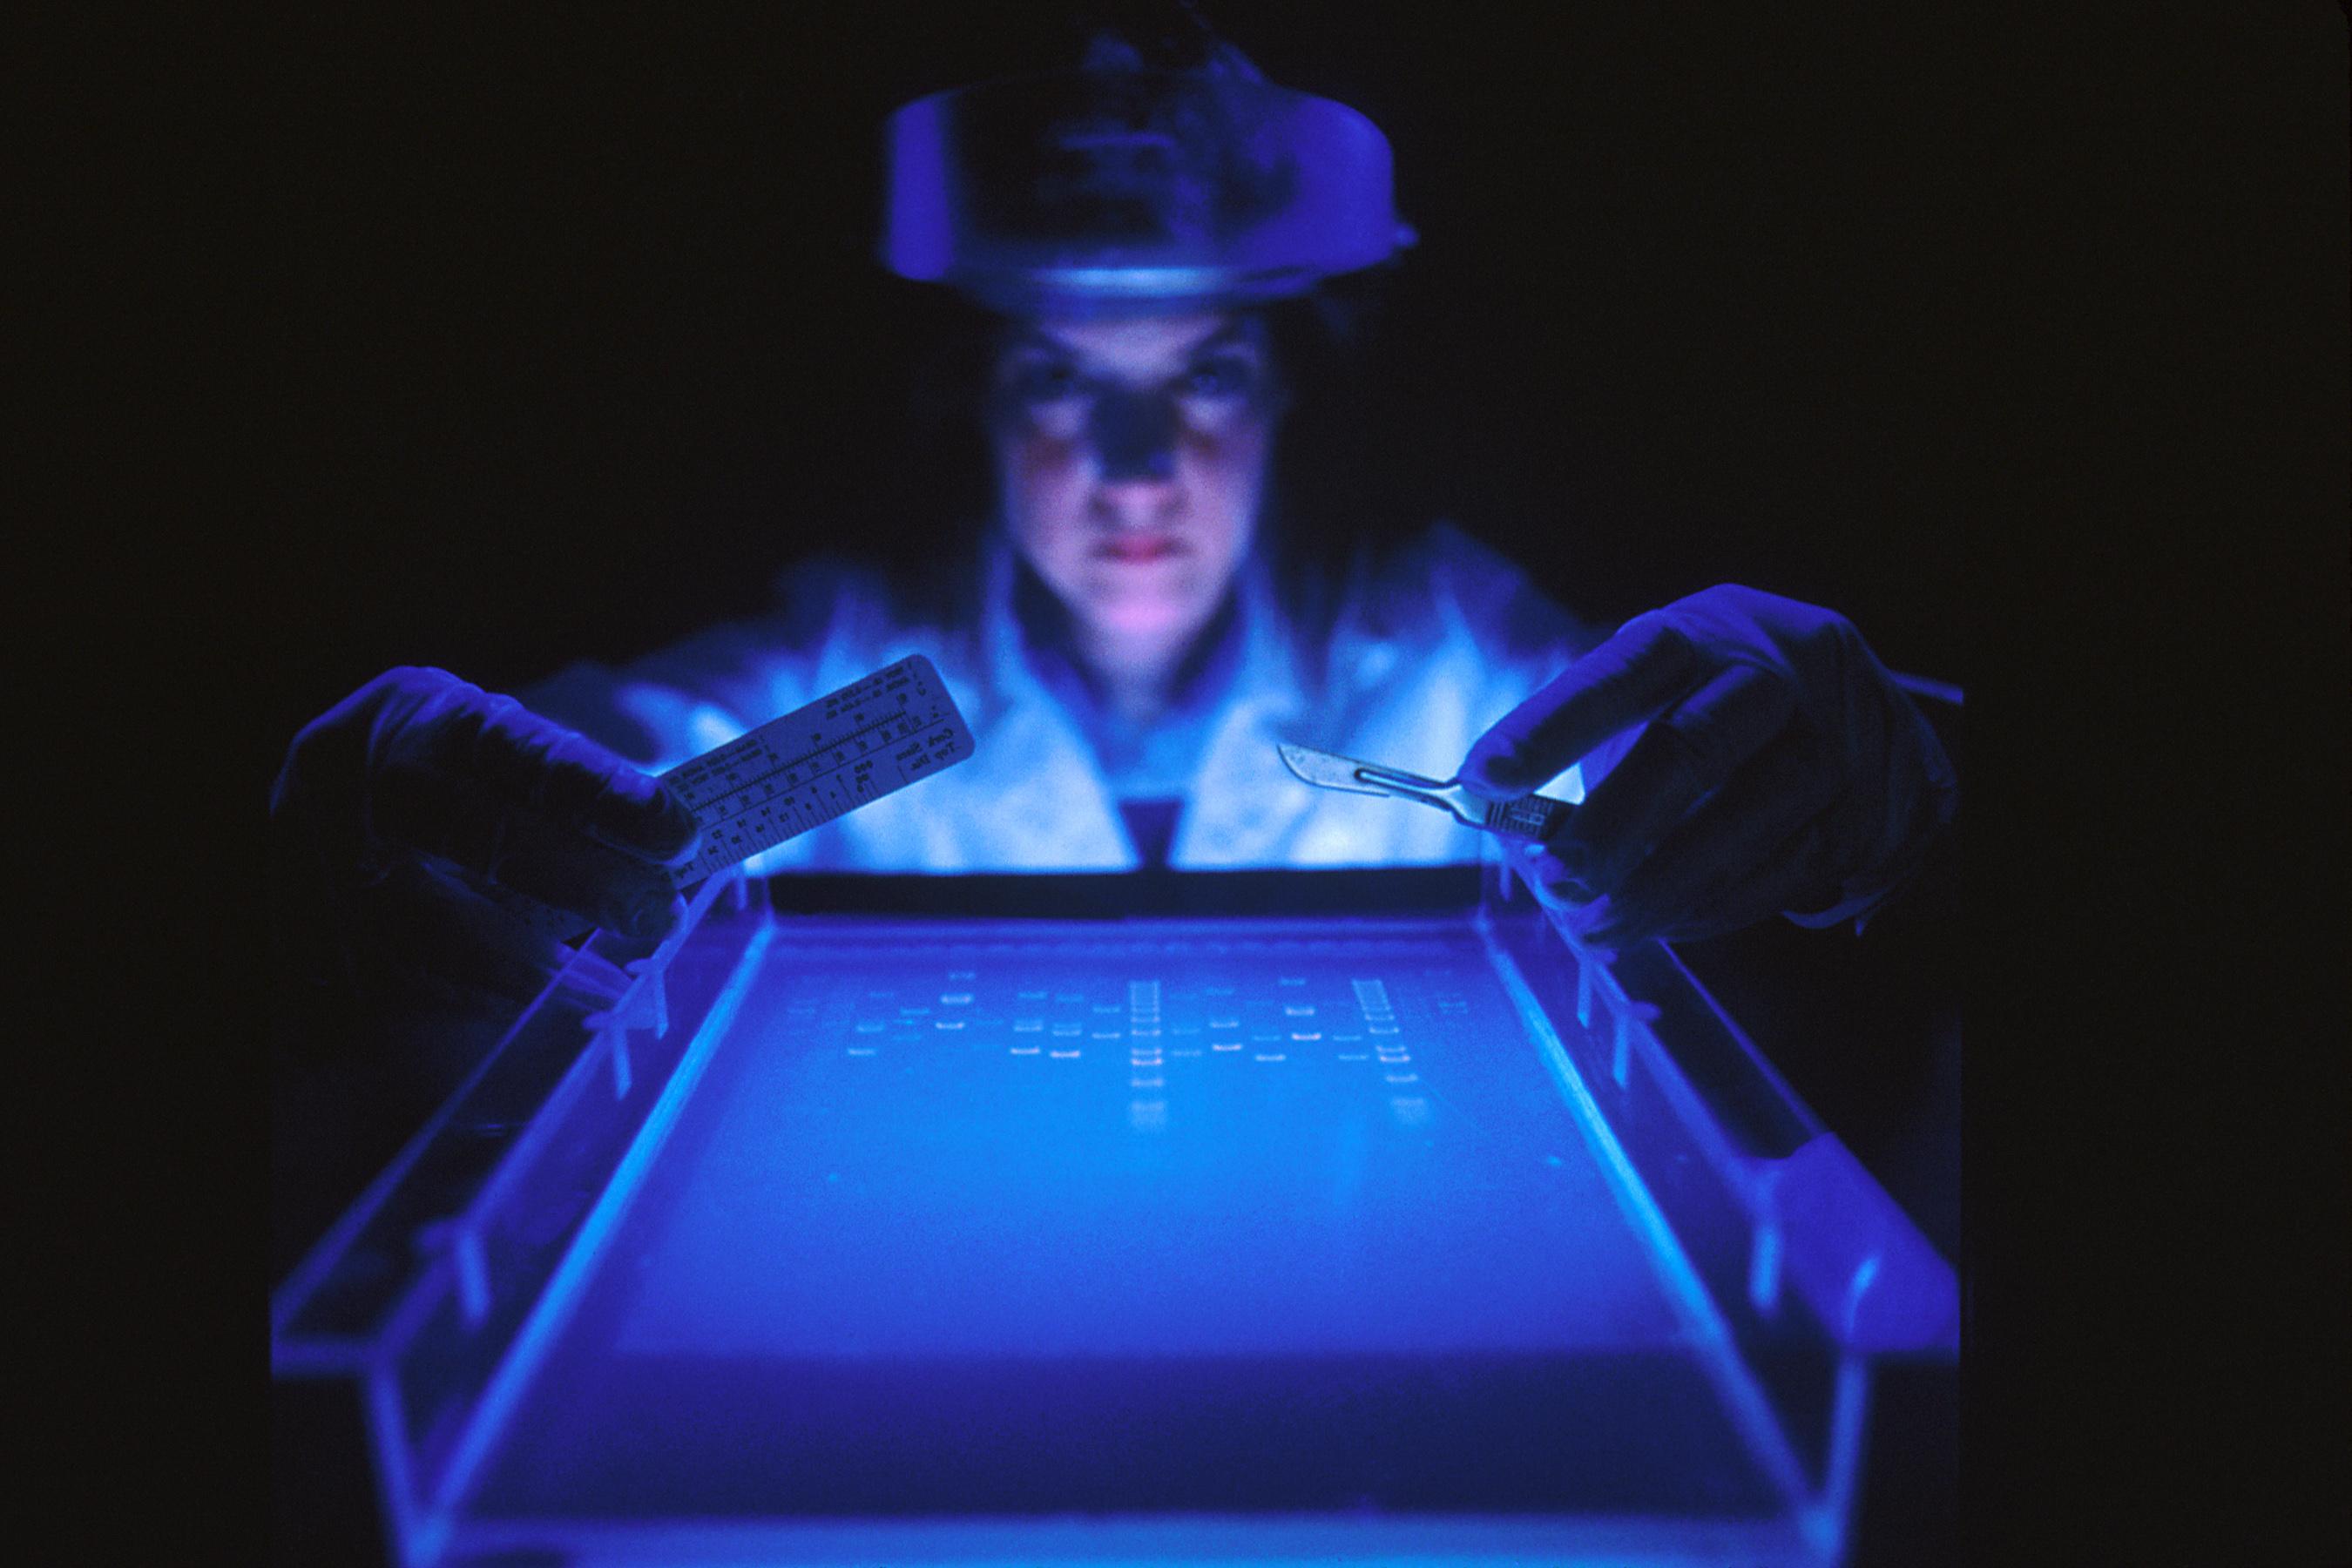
(849, 748)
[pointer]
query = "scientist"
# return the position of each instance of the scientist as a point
(1152, 246)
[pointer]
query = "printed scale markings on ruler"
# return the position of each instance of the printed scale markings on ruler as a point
(735, 790)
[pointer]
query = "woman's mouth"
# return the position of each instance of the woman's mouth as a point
(1138, 547)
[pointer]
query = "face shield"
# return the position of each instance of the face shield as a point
(1102, 192)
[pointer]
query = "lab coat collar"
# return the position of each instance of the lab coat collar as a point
(1245, 804)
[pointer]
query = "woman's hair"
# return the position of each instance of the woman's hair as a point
(1338, 485)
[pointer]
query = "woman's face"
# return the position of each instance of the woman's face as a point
(1132, 455)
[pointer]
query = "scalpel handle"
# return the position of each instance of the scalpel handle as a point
(1536, 816)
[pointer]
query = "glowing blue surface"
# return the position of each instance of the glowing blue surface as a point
(898, 1258)
(1001, 1151)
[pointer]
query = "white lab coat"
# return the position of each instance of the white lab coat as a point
(1421, 658)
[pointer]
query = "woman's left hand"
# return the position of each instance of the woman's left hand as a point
(1778, 769)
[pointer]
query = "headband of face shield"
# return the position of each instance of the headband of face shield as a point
(1109, 192)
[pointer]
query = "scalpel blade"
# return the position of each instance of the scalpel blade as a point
(1328, 770)
(1530, 816)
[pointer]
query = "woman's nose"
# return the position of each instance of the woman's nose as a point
(1134, 438)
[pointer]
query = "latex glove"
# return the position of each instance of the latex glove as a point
(1778, 769)
(401, 811)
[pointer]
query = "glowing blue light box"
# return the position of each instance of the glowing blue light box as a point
(1406, 1236)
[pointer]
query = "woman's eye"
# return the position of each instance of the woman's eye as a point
(1226, 377)
(1045, 383)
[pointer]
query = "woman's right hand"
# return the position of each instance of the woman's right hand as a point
(402, 811)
